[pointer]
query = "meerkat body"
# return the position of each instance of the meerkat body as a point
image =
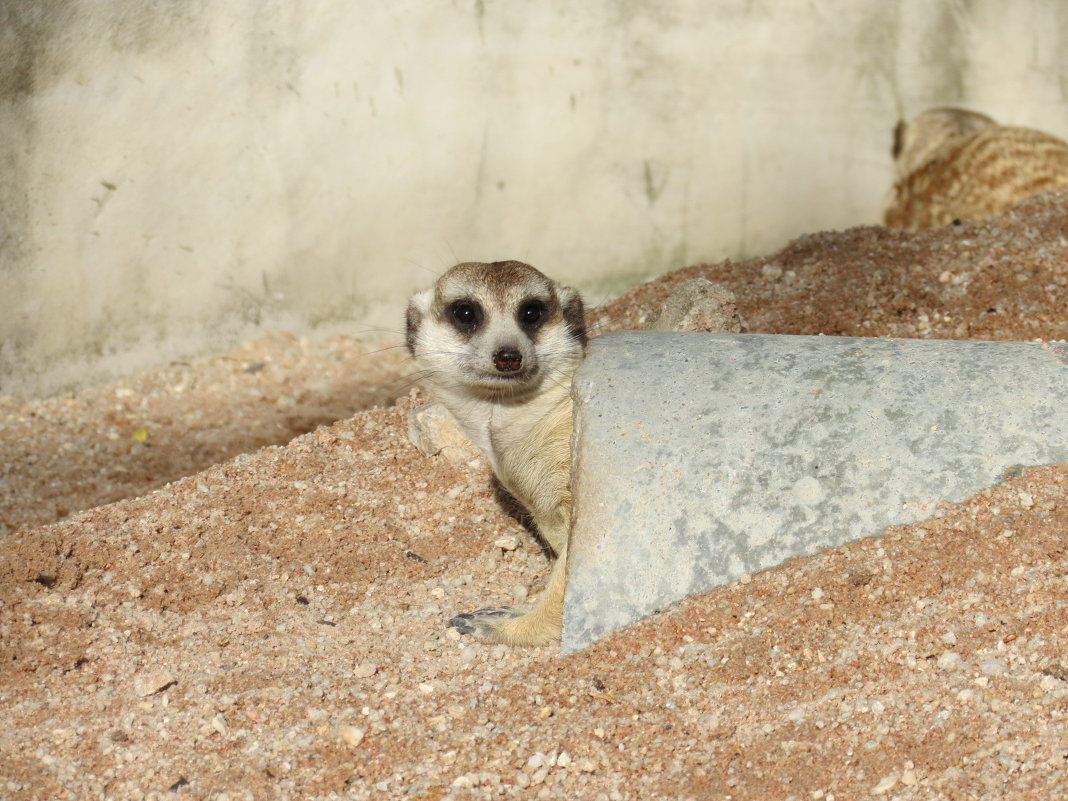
(952, 164)
(499, 344)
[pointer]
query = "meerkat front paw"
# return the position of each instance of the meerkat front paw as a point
(509, 625)
(484, 624)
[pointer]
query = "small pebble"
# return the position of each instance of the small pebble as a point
(885, 785)
(152, 682)
(771, 272)
(992, 667)
(468, 653)
(509, 543)
(948, 660)
(365, 670)
(353, 735)
(1050, 683)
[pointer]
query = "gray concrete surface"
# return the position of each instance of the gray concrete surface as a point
(703, 457)
(181, 175)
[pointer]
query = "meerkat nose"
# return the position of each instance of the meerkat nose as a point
(507, 360)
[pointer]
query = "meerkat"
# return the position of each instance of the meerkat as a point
(952, 164)
(499, 344)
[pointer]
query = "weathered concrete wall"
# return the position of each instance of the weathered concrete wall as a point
(178, 175)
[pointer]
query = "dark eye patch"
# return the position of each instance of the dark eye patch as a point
(464, 315)
(531, 314)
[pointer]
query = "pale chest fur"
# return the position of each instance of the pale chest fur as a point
(533, 454)
(528, 445)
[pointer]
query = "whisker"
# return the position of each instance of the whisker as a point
(409, 381)
(385, 349)
(369, 330)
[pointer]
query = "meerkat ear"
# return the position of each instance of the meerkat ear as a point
(574, 313)
(414, 317)
(899, 138)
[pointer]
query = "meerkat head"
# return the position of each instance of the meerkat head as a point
(920, 139)
(498, 329)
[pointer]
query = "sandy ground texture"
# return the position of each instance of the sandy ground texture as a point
(273, 626)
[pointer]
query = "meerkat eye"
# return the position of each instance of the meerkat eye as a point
(465, 315)
(531, 313)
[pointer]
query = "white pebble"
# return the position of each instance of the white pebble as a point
(353, 735)
(152, 682)
(468, 653)
(365, 670)
(509, 543)
(885, 785)
(771, 272)
(1050, 683)
(992, 667)
(948, 660)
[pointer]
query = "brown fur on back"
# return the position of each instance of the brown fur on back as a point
(966, 168)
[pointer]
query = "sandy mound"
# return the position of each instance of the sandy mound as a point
(273, 627)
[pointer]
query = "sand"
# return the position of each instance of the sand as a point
(271, 622)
